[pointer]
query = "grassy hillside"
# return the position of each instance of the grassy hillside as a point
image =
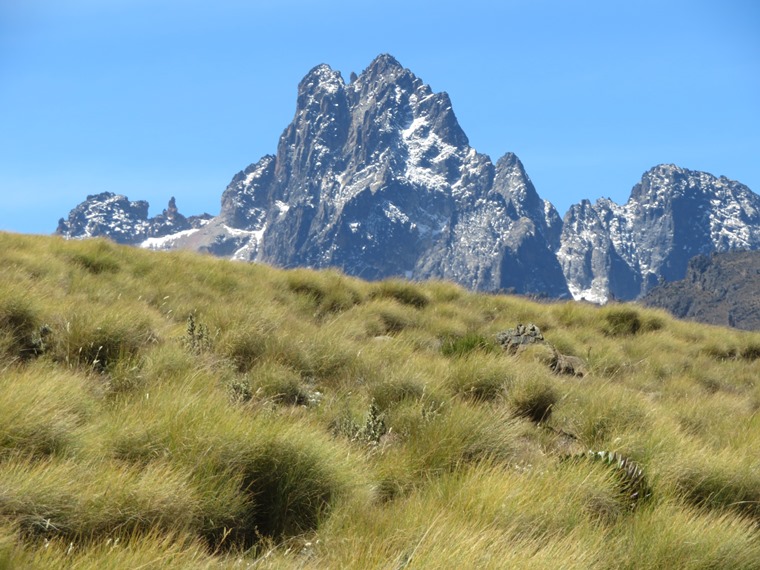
(171, 410)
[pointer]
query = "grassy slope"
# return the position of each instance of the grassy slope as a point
(305, 419)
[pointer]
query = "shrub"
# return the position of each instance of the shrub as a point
(197, 338)
(21, 335)
(620, 321)
(533, 397)
(480, 377)
(389, 393)
(458, 346)
(401, 291)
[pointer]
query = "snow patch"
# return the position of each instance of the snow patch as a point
(166, 242)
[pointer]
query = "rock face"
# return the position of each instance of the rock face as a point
(720, 289)
(672, 215)
(377, 178)
(113, 216)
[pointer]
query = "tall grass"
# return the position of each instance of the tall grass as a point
(174, 410)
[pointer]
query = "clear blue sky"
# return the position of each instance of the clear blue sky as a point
(160, 98)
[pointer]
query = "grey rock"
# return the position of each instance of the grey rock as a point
(511, 340)
(115, 217)
(377, 178)
(721, 289)
(621, 252)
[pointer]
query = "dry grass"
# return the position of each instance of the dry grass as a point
(174, 410)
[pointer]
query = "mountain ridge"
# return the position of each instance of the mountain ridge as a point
(377, 178)
(720, 289)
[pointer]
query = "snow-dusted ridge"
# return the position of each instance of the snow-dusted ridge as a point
(377, 178)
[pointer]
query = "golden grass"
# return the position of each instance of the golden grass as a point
(179, 411)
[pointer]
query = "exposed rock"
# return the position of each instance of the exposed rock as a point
(115, 217)
(511, 340)
(620, 252)
(377, 178)
(721, 289)
(107, 215)
(523, 339)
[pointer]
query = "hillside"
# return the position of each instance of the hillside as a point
(173, 410)
(720, 289)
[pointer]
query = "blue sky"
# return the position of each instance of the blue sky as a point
(161, 98)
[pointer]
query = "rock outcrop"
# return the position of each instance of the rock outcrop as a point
(376, 177)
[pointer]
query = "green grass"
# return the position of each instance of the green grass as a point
(169, 410)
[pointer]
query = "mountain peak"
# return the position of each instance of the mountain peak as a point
(383, 63)
(322, 77)
(383, 70)
(377, 178)
(509, 161)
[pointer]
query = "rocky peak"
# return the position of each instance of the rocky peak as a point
(515, 186)
(672, 215)
(377, 178)
(171, 211)
(115, 217)
(321, 81)
(107, 215)
(383, 70)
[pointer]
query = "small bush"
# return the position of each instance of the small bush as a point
(621, 321)
(368, 432)
(403, 292)
(459, 346)
(533, 397)
(480, 378)
(19, 326)
(240, 391)
(197, 338)
(388, 394)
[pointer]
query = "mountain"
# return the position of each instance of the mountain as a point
(672, 215)
(114, 217)
(377, 178)
(720, 289)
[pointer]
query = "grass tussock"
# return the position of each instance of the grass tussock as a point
(173, 410)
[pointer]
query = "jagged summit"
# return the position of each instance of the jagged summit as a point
(376, 177)
(383, 62)
(672, 215)
(115, 217)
